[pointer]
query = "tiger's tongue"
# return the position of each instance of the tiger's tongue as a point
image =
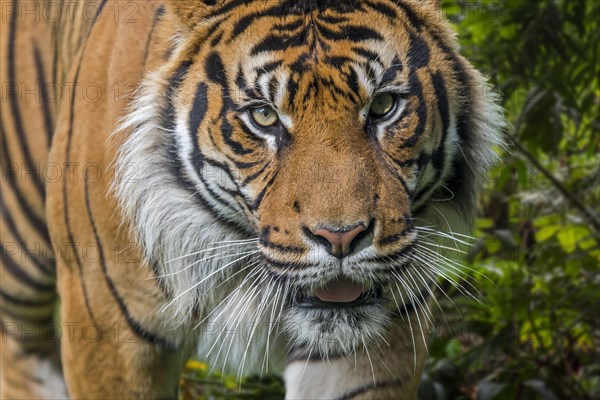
(339, 291)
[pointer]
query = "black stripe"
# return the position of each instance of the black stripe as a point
(335, 90)
(399, 178)
(38, 223)
(300, 353)
(44, 268)
(367, 54)
(255, 175)
(159, 279)
(225, 168)
(227, 134)
(13, 101)
(421, 111)
(418, 52)
(438, 158)
(135, 326)
(243, 23)
(266, 242)
(288, 11)
(246, 165)
(70, 235)
(26, 302)
(196, 115)
(352, 81)
(38, 319)
(383, 9)
(415, 21)
(442, 97)
(390, 74)
(371, 387)
(290, 26)
(275, 42)
(407, 163)
(198, 112)
(216, 40)
(402, 253)
(215, 70)
(178, 172)
(160, 11)
(461, 180)
(396, 237)
(262, 193)
(272, 89)
(169, 117)
(301, 64)
(41, 78)
(198, 159)
(352, 33)
(286, 266)
(16, 271)
(242, 84)
(68, 160)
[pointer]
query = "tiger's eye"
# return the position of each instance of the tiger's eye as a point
(382, 104)
(264, 116)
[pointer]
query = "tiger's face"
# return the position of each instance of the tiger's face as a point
(327, 131)
(335, 121)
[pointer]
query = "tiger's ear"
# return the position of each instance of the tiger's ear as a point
(191, 12)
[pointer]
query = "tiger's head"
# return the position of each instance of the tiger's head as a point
(333, 133)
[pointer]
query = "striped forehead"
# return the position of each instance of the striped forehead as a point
(276, 42)
(271, 76)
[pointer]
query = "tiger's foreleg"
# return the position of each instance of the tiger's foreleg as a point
(29, 366)
(29, 362)
(105, 358)
(115, 342)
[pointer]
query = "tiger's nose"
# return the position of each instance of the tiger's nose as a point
(342, 241)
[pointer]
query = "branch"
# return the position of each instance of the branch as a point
(592, 219)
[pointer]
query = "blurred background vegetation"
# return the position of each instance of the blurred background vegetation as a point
(536, 334)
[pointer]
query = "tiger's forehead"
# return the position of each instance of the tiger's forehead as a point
(272, 76)
(294, 54)
(352, 69)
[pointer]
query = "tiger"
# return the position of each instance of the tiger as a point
(273, 186)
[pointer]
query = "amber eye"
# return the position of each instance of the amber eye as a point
(382, 105)
(264, 116)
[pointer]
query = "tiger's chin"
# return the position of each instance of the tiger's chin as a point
(330, 328)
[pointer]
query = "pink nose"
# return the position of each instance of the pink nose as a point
(340, 240)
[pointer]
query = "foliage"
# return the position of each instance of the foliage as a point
(537, 333)
(199, 382)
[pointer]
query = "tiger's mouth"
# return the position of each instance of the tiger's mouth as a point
(339, 294)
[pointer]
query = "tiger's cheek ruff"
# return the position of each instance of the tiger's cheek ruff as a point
(158, 195)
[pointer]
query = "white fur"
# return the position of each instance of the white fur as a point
(54, 386)
(166, 220)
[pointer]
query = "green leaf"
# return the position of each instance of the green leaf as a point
(484, 223)
(546, 220)
(546, 232)
(571, 236)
